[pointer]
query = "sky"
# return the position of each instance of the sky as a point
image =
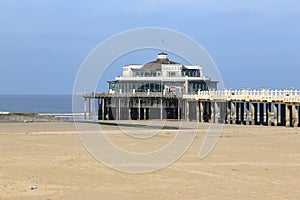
(254, 43)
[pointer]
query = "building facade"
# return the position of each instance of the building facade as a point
(162, 76)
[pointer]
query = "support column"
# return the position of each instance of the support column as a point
(187, 110)
(161, 108)
(228, 112)
(107, 108)
(295, 119)
(216, 112)
(103, 108)
(145, 113)
(99, 109)
(298, 116)
(178, 109)
(113, 109)
(212, 108)
(90, 108)
(84, 107)
(237, 112)
(253, 113)
(223, 112)
(268, 114)
(197, 111)
(247, 113)
(275, 114)
(261, 113)
(287, 116)
(242, 112)
(233, 112)
(129, 110)
(201, 111)
(256, 113)
(116, 116)
(282, 114)
(209, 111)
(119, 109)
(139, 109)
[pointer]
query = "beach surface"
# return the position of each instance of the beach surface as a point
(248, 162)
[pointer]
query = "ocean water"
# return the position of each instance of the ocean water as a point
(46, 104)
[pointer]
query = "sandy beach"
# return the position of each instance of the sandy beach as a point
(249, 162)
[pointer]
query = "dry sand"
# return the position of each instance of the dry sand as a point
(247, 163)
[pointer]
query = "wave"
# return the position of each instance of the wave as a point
(4, 113)
(64, 115)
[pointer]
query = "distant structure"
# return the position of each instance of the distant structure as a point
(162, 75)
(165, 89)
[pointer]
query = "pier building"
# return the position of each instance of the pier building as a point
(162, 75)
(164, 89)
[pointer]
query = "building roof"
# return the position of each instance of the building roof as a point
(156, 65)
(163, 53)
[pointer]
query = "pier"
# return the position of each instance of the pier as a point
(245, 107)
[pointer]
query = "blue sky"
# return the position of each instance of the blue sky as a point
(43, 42)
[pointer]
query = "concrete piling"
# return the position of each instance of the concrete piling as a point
(275, 114)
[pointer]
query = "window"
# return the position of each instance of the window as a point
(172, 74)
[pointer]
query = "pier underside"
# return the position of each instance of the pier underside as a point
(189, 108)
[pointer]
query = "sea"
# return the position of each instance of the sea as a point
(56, 105)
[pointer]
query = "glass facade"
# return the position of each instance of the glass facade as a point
(191, 73)
(138, 86)
(146, 73)
(195, 86)
(177, 87)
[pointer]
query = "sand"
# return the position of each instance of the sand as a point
(247, 163)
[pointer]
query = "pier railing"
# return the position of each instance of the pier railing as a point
(281, 96)
(285, 96)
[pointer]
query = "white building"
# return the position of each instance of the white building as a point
(162, 75)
